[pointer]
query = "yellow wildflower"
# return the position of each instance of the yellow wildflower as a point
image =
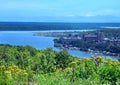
(7, 72)
(100, 58)
(25, 73)
(58, 70)
(2, 67)
(68, 69)
(73, 62)
(110, 63)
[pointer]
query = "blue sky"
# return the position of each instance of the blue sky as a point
(60, 10)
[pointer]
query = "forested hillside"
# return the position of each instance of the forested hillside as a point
(20, 65)
(35, 26)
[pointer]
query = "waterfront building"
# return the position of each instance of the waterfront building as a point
(93, 37)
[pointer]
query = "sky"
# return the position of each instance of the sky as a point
(60, 10)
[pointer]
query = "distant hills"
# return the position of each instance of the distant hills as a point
(39, 26)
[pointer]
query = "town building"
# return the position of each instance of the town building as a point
(93, 37)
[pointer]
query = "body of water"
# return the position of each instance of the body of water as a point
(23, 38)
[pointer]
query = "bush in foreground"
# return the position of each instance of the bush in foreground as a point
(26, 65)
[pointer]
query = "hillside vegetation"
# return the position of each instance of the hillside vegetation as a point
(24, 65)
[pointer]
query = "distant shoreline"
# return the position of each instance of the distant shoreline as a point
(49, 30)
(43, 26)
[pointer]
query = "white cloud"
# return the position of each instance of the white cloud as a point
(87, 15)
(101, 13)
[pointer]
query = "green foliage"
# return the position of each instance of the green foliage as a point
(110, 71)
(48, 67)
(63, 59)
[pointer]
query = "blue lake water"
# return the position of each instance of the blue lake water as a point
(39, 42)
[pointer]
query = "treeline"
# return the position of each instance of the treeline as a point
(106, 46)
(41, 61)
(111, 33)
(35, 26)
(97, 46)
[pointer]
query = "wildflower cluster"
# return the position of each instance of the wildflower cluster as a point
(15, 70)
(11, 73)
(2, 67)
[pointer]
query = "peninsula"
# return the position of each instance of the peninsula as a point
(105, 41)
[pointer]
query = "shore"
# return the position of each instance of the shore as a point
(60, 46)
